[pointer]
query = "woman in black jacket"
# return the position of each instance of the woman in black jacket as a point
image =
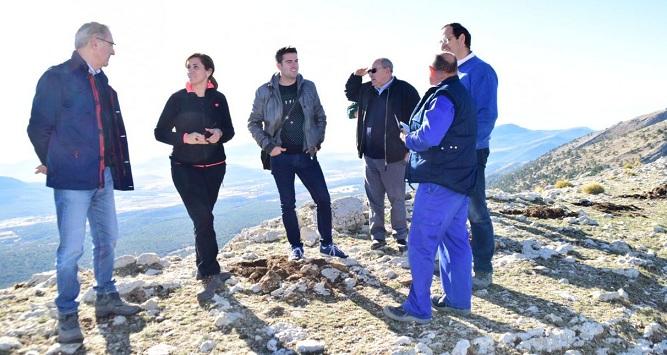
(196, 122)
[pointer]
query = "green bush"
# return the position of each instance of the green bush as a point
(592, 188)
(562, 183)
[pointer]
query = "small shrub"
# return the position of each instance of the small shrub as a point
(562, 183)
(631, 164)
(592, 188)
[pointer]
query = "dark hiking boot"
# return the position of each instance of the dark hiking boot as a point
(69, 330)
(482, 280)
(210, 284)
(110, 303)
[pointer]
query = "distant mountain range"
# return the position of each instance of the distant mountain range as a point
(152, 217)
(512, 146)
(626, 144)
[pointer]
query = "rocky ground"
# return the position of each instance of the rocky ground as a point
(574, 273)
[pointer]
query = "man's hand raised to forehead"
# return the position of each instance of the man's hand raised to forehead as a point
(361, 71)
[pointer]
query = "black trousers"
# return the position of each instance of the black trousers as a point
(199, 189)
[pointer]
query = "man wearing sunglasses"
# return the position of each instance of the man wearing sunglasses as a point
(78, 134)
(481, 81)
(384, 103)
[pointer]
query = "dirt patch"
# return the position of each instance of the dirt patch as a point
(541, 212)
(656, 193)
(272, 272)
(612, 208)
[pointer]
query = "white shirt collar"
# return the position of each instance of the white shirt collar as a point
(460, 62)
(92, 70)
(385, 86)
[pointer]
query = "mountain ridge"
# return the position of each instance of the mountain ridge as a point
(639, 140)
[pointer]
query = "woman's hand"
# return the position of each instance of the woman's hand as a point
(216, 133)
(194, 138)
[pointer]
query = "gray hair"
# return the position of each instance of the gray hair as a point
(386, 63)
(88, 31)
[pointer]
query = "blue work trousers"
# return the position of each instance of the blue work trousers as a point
(439, 225)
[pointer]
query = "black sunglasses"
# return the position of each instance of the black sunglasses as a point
(372, 71)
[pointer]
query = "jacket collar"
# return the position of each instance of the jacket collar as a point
(78, 65)
(275, 81)
(447, 81)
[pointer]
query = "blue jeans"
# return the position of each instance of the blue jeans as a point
(73, 207)
(439, 225)
(284, 168)
(481, 228)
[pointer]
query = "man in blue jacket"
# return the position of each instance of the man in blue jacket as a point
(443, 161)
(481, 81)
(78, 134)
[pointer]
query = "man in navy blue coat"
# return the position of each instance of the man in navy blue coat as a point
(78, 134)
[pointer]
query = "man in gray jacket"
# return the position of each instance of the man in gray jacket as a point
(288, 122)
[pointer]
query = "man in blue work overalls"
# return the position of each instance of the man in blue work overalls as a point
(443, 160)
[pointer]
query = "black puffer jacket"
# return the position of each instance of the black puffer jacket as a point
(402, 97)
(188, 113)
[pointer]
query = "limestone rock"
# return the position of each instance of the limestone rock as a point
(9, 343)
(309, 236)
(224, 319)
(40, 277)
(57, 349)
(461, 347)
(310, 346)
(331, 274)
(347, 214)
(161, 349)
(207, 346)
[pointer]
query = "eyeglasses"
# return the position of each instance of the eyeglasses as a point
(104, 40)
(372, 70)
(446, 40)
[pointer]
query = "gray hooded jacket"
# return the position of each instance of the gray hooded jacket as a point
(265, 121)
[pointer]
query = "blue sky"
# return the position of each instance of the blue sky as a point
(560, 64)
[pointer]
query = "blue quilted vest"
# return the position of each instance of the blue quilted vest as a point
(453, 162)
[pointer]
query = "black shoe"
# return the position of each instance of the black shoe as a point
(440, 304)
(402, 245)
(399, 314)
(378, 244)
(210, 284)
